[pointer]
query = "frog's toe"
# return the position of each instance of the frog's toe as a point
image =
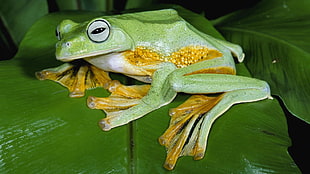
(91, 102)
(76, 94)
(104, 125)
(169, 165)
(111, 104)
(42, 75)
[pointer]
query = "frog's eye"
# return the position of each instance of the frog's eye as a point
(98, 30)
(58, 33)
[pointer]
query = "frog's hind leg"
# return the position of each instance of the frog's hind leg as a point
(191, 122)
(77, 77)
(122, 98)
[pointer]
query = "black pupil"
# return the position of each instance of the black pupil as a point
(98, 30)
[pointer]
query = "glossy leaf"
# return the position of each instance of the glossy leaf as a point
(98, 5)
(42, 130)
(19, 15)
(275, 36)
(130, 4)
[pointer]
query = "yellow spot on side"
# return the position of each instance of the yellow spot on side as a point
(193, 54)
(185, 56)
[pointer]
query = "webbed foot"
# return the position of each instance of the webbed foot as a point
(77, 77)
(121, 99)
(181, 137)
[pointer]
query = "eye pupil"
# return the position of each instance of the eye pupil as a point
(98, 30)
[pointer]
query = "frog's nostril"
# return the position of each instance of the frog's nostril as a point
(68, 44)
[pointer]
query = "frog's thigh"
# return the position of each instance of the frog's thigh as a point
(217, 83)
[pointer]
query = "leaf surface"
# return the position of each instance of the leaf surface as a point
(42, 130)
(275, 37)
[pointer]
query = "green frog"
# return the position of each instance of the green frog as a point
(170, 56)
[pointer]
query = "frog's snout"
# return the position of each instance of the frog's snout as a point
(63, 52)
(64, 45)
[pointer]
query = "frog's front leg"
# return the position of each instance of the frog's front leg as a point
(158, 95)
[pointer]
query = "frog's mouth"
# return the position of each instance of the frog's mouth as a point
(71, 57)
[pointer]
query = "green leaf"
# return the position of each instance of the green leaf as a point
(93, 5)
(19, 15)
(130, 4)
(42, 130)
(275, 36)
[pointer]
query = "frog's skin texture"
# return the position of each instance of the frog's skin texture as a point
(160, 48)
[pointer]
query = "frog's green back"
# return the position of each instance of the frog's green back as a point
(162, 30)
(157, 16)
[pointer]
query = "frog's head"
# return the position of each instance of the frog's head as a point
(97, 37)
